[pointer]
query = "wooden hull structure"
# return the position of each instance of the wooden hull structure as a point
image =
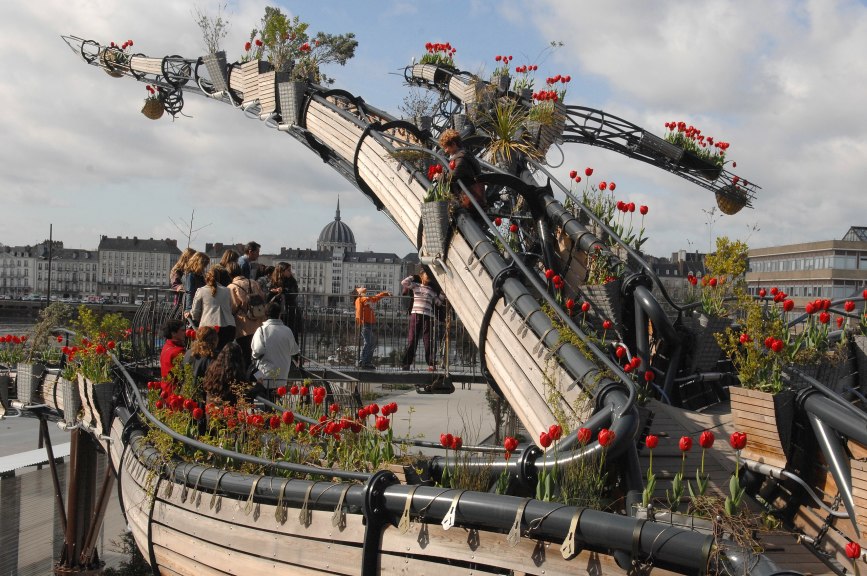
(192, 519)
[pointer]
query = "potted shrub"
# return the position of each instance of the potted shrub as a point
(437, 59)
(703, 154)
(505, 125)
(722, 282)
(214, 29)
(90, 362)
(41, 351)
(435, 211)
(546, 118)
(11, 353)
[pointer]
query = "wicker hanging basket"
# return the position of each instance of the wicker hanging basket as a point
(153, 108)
(731, 199)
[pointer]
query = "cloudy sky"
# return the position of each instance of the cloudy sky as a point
(783, 81)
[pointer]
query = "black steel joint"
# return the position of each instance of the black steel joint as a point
(375, 519)
(527, 474)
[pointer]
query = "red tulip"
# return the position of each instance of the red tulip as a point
(281, 391)
(258, 42)
(382, 423)
(544, 439)
(498, 221)
(606, 437)
(572, 174)
(777, 346)
(738, 440)
(649, 376)
(446, 440)
(603, 185)
(555, 431)
(457, 442)
(570, 304)
(685, 443)
(762, 292)
(299, 427)
(606, 325)
(612, 186)
(589, 172)
(59, 338)
(287, 418)
(294, 390)
(198, 413)
(585, 306)
(839, 321)
(273, 422)
(643, 209)
(651, 441)
(864, 294)
(744, 338)
(247, 47)
(824, 317)
(549, 273)
(510, 444)
(809, 308)
(853, 550)
(513, 228)
(705, 440)
(788, 305)
(848, 306)
(620, 351)
(584, 436)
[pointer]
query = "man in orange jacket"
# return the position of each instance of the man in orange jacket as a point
(365, 319)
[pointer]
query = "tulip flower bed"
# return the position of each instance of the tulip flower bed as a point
(307, 431)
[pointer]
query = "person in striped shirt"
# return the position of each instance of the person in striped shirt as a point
(422, 317)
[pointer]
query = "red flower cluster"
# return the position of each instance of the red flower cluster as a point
(446, 49)
(450, 442)
(820, 305)
(13, 339)
(504, 59)
(434, 170)
(526, 68)
(694, 134)
(123, 46)
(546, 96)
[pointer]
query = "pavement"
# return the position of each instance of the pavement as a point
(463, 413)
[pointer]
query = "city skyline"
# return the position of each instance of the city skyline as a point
(84, 159)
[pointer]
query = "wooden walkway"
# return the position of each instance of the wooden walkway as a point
(670, 424)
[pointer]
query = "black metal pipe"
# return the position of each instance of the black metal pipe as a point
(677, 549)
(838, 463)
(849, 424)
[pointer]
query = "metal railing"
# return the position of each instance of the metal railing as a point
(326, 331)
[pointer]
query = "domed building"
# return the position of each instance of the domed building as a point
(336, 235)
(327, 274)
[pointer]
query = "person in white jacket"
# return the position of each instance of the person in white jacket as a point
(274, 349)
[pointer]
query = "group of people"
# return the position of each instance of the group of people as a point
(237, 308)
(426, 297)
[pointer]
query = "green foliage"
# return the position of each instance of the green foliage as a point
(135, 564)
(213, 28)
(505, 123)
(758, 368)
(55, 315)
(724, 275)
(288, 46)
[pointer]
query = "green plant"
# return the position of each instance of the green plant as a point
(55, 315)
(691, 139)
(526, 80)
(97, 335)
(441, 184)
(213, 28)
(505, 123)
(439, 54)
(502, 68)
(724, 275)
(12, 349)
(756, 348)
(600, 269)
(285, 42)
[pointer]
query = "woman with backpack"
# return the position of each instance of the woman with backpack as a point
(248, 306)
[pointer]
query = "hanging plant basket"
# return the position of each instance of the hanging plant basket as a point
(112, 61)
(153, 108)
(28, 378)
(435, 222)
(71, 399)
(731, 199)
(215, 63)
(706, 351)
(605, 303)
(291, 96)
(700, 167)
